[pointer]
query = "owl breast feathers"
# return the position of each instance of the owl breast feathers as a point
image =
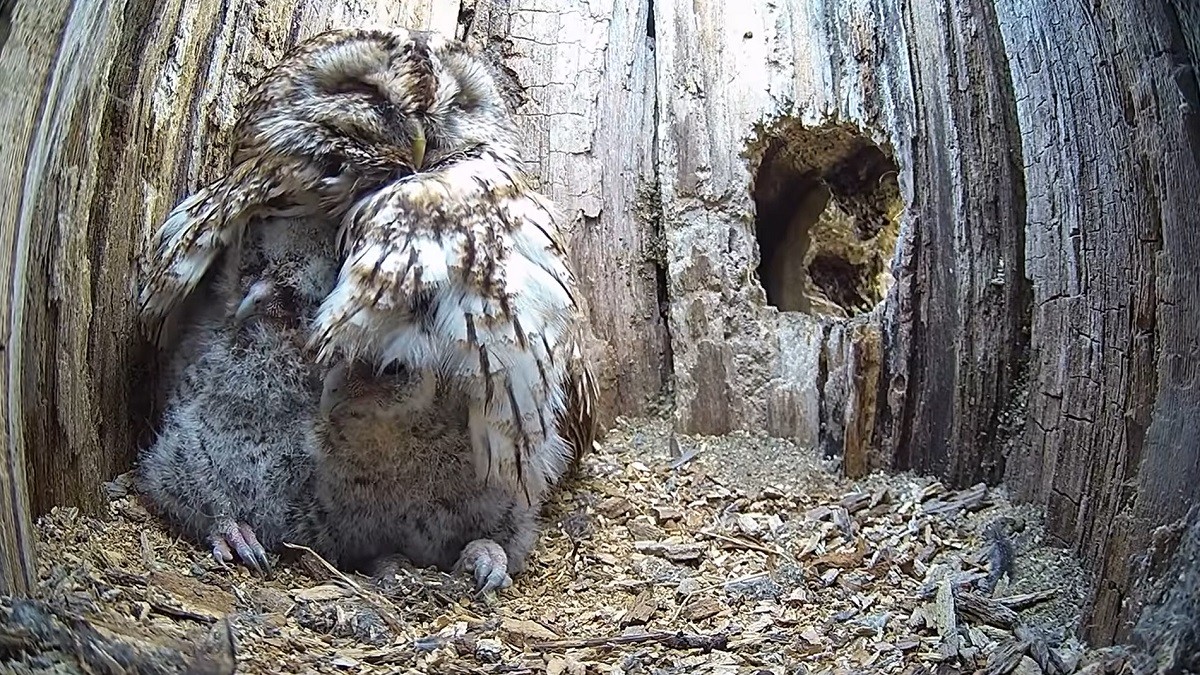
(450, 260)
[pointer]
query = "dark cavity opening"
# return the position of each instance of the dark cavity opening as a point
(828, 206)
(6, 14)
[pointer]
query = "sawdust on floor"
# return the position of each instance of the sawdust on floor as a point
(667, 554)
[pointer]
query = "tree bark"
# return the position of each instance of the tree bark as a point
(1111, 139)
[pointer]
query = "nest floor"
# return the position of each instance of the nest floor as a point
(667, 554)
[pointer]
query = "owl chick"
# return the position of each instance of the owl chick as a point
(395, 472)
(234, 451)
(452, 260)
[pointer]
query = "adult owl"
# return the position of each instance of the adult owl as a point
(450, 259)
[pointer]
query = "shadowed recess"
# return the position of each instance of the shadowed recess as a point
(6, 13)
(827, 205)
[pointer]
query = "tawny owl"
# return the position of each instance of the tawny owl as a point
(450, 259)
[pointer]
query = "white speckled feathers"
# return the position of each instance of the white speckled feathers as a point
(461, 269)
(450, 260)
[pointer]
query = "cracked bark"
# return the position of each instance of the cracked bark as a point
(1110, 140)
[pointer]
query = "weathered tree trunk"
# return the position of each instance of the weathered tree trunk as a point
(1111, 139)
(734, 172)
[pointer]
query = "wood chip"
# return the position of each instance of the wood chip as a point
(855, 502)
(945, 618)
(323, 593)
(843, 559)
(639, 569)
(1026, 600)
(702, 607)
(979, 609)
(187, 597)
(666, 514)
(615, 508)
(674, 552)
(641, 610)
(523, 631)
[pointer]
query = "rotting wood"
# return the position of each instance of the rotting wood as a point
(37, 627)
(956, 352)
(865, 361)
(1109, 445)
(1037, 325)
(678, 640)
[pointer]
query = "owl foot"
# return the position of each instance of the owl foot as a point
(488, 563)
(229, 536)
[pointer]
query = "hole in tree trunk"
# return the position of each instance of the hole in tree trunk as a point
(828, 212)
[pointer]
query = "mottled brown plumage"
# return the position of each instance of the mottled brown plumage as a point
(396, 474)
(452, 267)
(258, 446)
(452, 260)
(333, 120)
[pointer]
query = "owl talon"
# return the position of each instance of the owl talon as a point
(488, 563)
(229, 537)
(221, 552)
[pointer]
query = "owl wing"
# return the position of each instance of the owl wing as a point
(215, 217)
(289, 157)
(461, 270)
(190, 239)
(578, 422)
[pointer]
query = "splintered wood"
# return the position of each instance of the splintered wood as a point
(749, 557)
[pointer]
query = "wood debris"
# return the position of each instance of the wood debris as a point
(727, 555)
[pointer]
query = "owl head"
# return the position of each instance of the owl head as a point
(367, 105)
(287, 267)
(343, 114)
(395, 389)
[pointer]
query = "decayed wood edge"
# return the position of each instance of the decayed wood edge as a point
(955, 324)
(966, 347)
(865, 364)
(1168, 626)
(25, 63)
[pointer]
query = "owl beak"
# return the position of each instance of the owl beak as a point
(418, 146)
(249, 304)
(244, 310)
